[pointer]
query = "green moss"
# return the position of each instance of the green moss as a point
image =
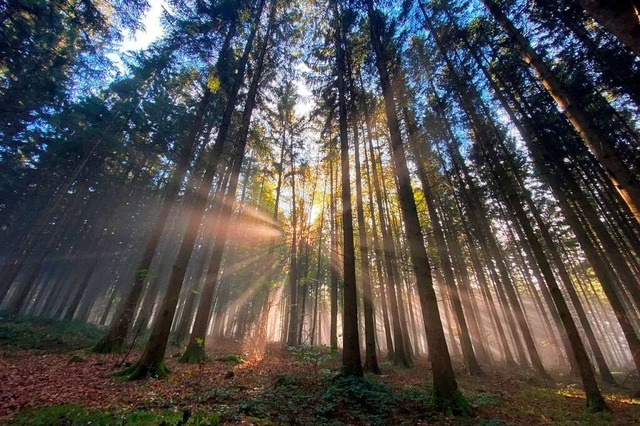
(73, 415)
(108, 346)
(234, 359)
(194, 354)
(139, 371)
(457, 406)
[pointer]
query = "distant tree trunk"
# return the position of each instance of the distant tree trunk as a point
(292, 308)
(467, 296)
(316, 292)
(378, 255)
(400, 354)
(443, 253)
(333, 258)
(371, 359)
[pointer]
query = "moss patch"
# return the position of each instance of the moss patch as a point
(72, 415)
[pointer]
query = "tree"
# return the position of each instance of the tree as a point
(445, 391)
(351, 363)
(600, 146)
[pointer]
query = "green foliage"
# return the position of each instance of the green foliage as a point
(489, 422)
(484, 399)
(142, 274)
(233, 359)
(289, 401)
(46, 335)
(73, 415)
(60, 415)
(312, 356)
(359, 398)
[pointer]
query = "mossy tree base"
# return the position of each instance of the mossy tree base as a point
(194, 354)
(596, 404)
(139, 371)
(375, 369)
(108, 345)
(455, 405)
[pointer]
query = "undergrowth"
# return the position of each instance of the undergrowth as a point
(295, 399)
(73, 415)
(19, 333)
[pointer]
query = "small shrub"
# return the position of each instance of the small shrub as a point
(312, 356)
(359, 398)
(234, 359)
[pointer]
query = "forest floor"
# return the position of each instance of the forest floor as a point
(47, 378)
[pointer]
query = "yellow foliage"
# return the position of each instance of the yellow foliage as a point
(213, 83)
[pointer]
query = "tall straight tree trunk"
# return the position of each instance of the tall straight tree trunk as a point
(473, 204)
(445, 390)
(292, 308)
(462, 276)
(371, 359)
(378, 256)
(443, 252)
(316, 293)
(333, 258)
(351, 363)
(268, 302)
(400, 354)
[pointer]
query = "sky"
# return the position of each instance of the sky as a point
(152, 28)
(152, 31)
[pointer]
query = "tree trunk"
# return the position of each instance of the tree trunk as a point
(445, 390)
(152, 360)
(351, 363)
(620, 17)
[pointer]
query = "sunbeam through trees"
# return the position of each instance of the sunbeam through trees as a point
(389, 207)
